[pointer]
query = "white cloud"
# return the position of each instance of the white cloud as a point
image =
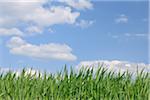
(33, 29)
(29, 16)
(23, 1)
(122, 19)
(13, 12)
(84, 23)
(43, 51)
(78, 4)
(56, 15)
(115, 65)
(16, 42)
(10, 32)
(34, 12)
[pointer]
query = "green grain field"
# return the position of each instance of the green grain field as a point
(85, 84)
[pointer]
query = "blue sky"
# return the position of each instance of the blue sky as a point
(102, 31)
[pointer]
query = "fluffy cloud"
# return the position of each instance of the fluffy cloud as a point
(33, 29)
(34, 12)
(122, 19)
(30, 16)
(84, 23)
(56, 15)
(10, 32)
(115, 65)
(49, 51)
(78, 4)
(13, 12)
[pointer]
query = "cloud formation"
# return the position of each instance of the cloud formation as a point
(21, 18)
(10, 32)
(33, 30)
(115, 65)
(78, 4)
(32, 13)
(28, 17)
(51, 51)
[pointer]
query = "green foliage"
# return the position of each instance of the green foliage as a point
(85, 84)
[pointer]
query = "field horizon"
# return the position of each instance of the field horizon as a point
(74, 50)
(84, 84)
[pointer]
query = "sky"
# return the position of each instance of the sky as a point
(47, 34)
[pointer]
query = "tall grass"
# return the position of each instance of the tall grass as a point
(83, 85)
